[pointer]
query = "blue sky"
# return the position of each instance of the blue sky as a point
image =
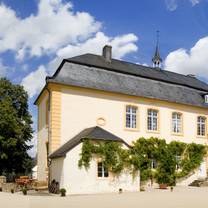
(36, 35)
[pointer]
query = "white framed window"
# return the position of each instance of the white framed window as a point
(152, 120)
(176, 122)
(102, 170)
(153, 164)
(206, 99)
(201, 126)
(131, 117)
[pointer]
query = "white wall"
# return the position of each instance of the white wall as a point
(80, 181)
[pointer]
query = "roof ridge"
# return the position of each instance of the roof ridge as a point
(132, 63)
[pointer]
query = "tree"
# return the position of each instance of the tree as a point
(15, 129)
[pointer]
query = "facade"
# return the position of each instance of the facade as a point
(123, 99)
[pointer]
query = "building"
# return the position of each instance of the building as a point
(101, 98)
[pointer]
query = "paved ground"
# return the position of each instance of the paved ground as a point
(179, 198)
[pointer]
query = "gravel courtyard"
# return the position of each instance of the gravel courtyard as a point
(179, 198)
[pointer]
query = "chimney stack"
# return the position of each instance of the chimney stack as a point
(107, 53)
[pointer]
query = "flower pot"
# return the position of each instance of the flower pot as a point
(163, 186)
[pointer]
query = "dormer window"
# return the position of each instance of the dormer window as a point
(206, 98)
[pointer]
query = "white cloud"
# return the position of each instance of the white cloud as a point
(171, 5)
(34, 81)
(60, 31)
(194, 2)
(121, 45)
(33, 151)
(193, 61)
(54, 25)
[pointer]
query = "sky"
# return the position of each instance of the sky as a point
(36, 35)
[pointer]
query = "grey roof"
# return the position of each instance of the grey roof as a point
(93, 133)
(92, 71)
(139, 70)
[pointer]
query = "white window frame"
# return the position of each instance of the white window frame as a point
(104, 171)
(206, 98)
(201, 126)
(154, 164)
(152, 120)
(131, 117)
(177, 123)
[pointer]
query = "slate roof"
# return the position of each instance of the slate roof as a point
(93, 133)
(139, 70)
(92, 71)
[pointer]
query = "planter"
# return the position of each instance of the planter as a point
(163, 186)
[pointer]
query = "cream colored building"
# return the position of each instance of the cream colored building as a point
(118, 98)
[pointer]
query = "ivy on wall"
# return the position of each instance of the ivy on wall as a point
(140, 156)
(111, 153)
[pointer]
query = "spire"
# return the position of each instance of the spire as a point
(157, 60)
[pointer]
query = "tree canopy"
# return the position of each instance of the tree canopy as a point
(15, 128)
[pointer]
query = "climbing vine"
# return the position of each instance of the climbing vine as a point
(141, 155)
(112, 154)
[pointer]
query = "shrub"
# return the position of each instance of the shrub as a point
(63, 192)
(24, 191)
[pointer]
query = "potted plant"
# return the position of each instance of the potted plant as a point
(63, 192)
(0, 189)
(24, 191)
(120, 190)
(12, 191)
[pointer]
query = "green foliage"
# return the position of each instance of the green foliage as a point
(111, 153)
(139, 157)
(63, 192)
(24, 191)
(15, 129)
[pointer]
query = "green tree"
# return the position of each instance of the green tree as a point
(15, 129)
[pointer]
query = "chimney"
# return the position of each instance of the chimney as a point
(107, 53)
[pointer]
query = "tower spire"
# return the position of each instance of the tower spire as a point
(157, 60)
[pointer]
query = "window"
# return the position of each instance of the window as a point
(201, 126)
(206, 98)
(152, 120)
(178, 162)
(102, 171)
(131, 117)
(177, 123)
(153, 164)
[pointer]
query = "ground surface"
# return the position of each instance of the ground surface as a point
(179, 198)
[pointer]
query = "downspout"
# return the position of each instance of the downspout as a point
(48, 159)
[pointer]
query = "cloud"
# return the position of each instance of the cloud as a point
(172, 5)
(58, 30)
(33, 151)
(121, 45)
(54, 26)
(193, 61)
(34, 81)
(194, 2)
